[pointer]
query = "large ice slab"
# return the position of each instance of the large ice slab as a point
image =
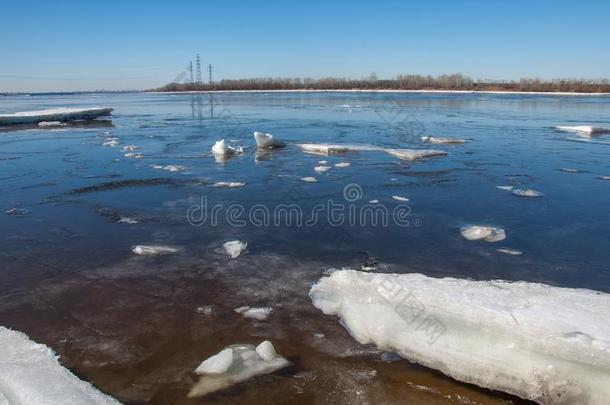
(31, 375)
(55, 114)
(332, 148)
(413, 154)
(584, 129)
(543, 343)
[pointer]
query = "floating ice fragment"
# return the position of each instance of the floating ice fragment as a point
(322, 162)
(260, 314)
(50, 124)
(228, 184)
(505, 188)
(342, 164)
(309, 179)
(234, 248)
(111, 142)
(146, 250)
(127, 220)
(542, 343)
(220, 148)
(571, 170)
(205, 310)
(266, 141)
(487, 233)
(130, 148)
(373, 201)
(247, 361)
(321, 169)
(331, 149)
(169, 168)
(217, 364)
(399, 198)
(509, 251)
(30, 374)
(133, 155)
(604, 177)
(527, 193)
(18, 212)
(441, 140)
(585, 129)
(413, 154)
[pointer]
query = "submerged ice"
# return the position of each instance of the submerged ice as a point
(543, 343)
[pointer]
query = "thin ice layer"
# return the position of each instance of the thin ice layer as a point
(31, 375)
(544, 343)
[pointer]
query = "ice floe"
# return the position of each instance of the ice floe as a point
(331, 149)
(509, 251)
(51, 124)
(572, 170)
(506, 188)
(228, 184)
(235, 364)
(322, 162)
(584, 129)
(17, 212)
(153, 250)
(527, 193)
(342, 164)
(309, 179)
(400, 198)
(603, 177)
(321, 169)
(487, 233)
(30, 374)
(373, 201)
(133, 155)
(260, 314)
(221, 148)
(234, 248)
(111, 142)
(441, 140)
(413, 154)
(55, 114)
(267, 141)
(539, 342)
(127, 220)
(169, 168)
(130, 148)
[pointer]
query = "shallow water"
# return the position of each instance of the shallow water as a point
(129, 324)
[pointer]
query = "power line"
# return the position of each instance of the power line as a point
(198, 70)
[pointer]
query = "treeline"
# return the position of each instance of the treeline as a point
(401, 82)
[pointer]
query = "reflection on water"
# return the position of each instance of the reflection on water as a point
(130, 325)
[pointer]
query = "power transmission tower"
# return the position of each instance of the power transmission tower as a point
(198, 70)
(191, 69)
(210, 73)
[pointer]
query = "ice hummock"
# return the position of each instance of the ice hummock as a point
(234, 248)
(584, 129)
(543, 343)
(487, 233)
(267, 141)
(235, 364)
(30, 374)
(54, 115)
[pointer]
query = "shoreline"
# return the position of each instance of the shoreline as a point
(493, 92)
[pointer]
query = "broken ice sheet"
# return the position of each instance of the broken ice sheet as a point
(527, 193)
(441, 140)
(234, 248)
(586, 130)
(342, 164)
(509, 251)
(321, 169)
(267, 141)
(400, 198)
(228, 184)
(309, 179)
(221, 148)
(153, 250)
(413, 154)
(235, 364)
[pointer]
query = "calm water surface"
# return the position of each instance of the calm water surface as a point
(130, 324)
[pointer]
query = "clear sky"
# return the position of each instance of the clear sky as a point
(87, 45)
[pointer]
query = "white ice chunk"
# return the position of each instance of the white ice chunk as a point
(509, 251)
(505, 188)
(228, 184)
(373, 201)
(266, 351)
(400, 198)
(266, 141)
(441, 140)
(322, 162)
(111, 142)
(321, 169)
(543, 343)
(584, 129)
(413, 154)
(216, 364)
(220, 148)
(234, 248)
(132, 155)
(487, 233)
(248, 362)
(260, 314)
(527, 193)
(51, 124)
(604, 177)
(54, 114)
(31, 375)
(150, 250)
(342, 164)
(130, 148)
(127, 220)
(309, 179)
(169, 168)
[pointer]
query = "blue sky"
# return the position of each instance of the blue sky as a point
(78, 45)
